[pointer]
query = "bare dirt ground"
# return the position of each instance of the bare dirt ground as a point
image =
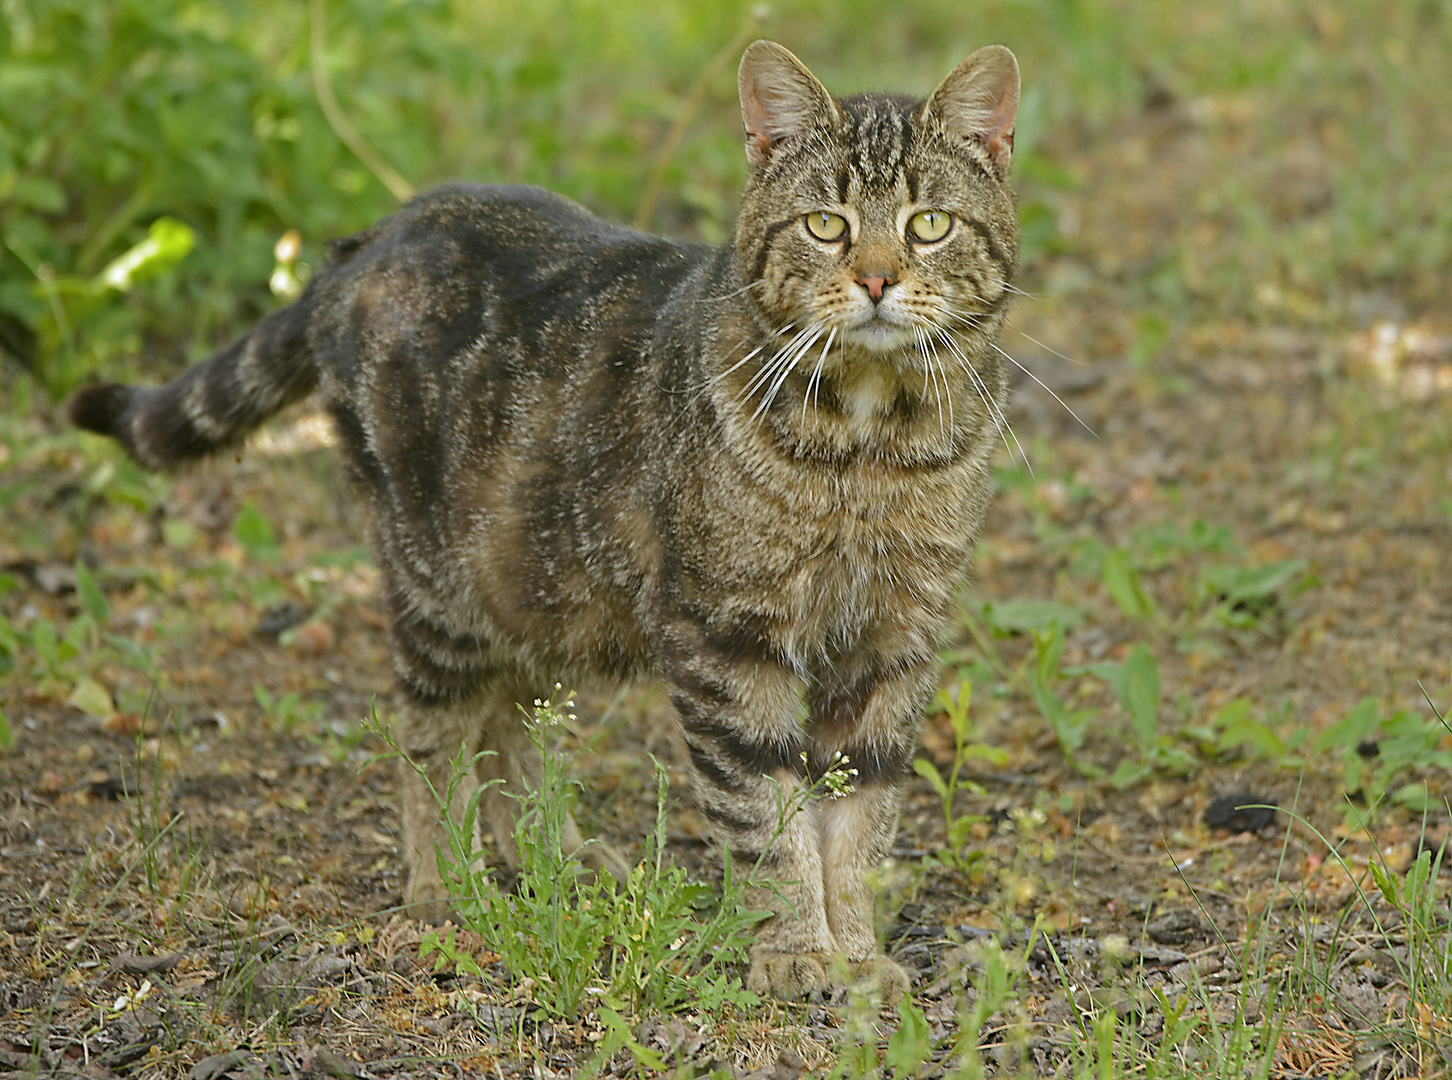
(196, 882)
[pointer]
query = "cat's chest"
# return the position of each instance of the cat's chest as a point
(875, 512)
(875, 549)
(859, 543)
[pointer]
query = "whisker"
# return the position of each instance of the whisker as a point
(921, 342)
(947, 390)
(1053, 395)
(973, 319)
(946, 306)
(1000, 420)
(1047, 348)
(721, 375)
(786, 370)
(765, 373)
(783, 374)
(929, 371)
(763, 376)
(816, 372)
(1011, 288)
(745, 288)
(841, 356)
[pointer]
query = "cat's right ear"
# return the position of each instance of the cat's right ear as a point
(779, 98)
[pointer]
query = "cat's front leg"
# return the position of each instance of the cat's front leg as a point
(857, 833)
(745, 737)
(865, 718)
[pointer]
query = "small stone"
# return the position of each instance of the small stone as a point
(1241, 812)
(313, 638)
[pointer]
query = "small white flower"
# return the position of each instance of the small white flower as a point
(131, 1000)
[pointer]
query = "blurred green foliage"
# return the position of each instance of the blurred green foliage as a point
(120, 112)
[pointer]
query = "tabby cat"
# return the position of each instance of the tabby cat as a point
(753, 472)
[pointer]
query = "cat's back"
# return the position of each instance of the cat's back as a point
(503, 246)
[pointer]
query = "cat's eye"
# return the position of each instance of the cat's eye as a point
(825, 226)
(930, 225)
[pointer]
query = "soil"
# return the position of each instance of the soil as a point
(195, 883)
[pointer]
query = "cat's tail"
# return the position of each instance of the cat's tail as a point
(213, 405)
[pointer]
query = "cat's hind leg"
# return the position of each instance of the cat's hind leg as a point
(501, 758)
(453, 702)
(458, 728)
(432, 734)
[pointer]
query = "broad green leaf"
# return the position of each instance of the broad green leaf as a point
(255, 534)
(1238, 584)
(9, 641)
(39, 193)
(92, 698)
(912, 1043)
(1127, 773)
(619, 1035)
(1415, 797)
(1384, 882)
(1351, 729)
(167, 243)
(93, 600)
(1406, 739)
(1111, 673)
(929, 772)
(1237, 726)
(1020, 616)
(179, 533)
(1122, 581)
(1048, 648)
(1142, 693)
(7, 738)
(46, 644)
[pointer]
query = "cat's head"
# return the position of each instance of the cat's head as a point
(879, 216)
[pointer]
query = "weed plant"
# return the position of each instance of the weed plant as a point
(574, 940)
(966, 748)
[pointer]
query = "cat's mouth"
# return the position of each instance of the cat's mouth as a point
(878, 333)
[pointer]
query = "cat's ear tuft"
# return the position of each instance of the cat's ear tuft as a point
(779, 98)
(979, 100)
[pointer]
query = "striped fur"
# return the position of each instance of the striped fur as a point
(755, 472)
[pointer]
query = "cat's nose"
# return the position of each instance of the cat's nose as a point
(875, 283)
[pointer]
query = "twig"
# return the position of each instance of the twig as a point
(387, 175)
(758, 14)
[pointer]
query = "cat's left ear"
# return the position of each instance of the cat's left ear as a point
(779, 98)
(979, 101)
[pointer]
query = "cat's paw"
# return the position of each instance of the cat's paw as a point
(787, 975)
(886, 975)
(795, 975)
